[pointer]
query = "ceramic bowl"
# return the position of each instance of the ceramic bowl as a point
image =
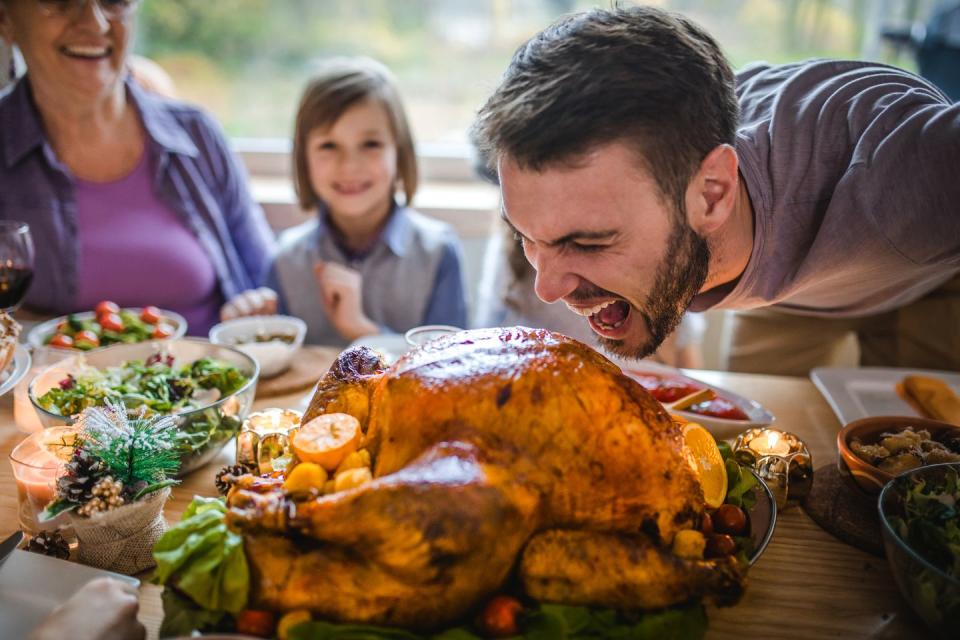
(867, 476)
(274, 356)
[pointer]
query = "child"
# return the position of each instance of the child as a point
(366, 264)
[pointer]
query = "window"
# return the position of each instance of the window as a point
(247, 60)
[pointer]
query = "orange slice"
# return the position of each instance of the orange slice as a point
(707, 463)
(327, 439)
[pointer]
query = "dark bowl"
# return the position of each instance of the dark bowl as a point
(869, 477)
(931, 592)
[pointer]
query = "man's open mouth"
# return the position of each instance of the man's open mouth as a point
(607, 316)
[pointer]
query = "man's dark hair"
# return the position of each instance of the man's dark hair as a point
(647, 77)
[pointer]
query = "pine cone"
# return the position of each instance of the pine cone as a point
(228, 475)
(80, 476)
(49, 543)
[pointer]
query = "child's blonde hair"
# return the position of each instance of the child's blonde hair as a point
(341, 84)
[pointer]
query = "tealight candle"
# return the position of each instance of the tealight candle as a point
(781, 459)
(36, 462)
(263, 443)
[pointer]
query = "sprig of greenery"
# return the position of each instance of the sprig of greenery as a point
(138, 450)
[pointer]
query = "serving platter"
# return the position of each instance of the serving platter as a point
(33, 585)
(863, 392)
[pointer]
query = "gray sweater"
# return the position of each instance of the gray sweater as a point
(853, 169)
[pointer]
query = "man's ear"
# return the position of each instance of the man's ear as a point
(712, 192)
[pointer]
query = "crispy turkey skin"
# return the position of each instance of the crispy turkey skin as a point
(493, 449)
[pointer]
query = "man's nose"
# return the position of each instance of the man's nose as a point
(553, 281)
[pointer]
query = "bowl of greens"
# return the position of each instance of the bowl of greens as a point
(209, 388)
(920, 521)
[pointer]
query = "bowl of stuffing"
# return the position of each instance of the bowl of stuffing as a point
(875, 450)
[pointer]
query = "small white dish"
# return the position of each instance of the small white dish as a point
(273, 355)
(864, 392)
(390, 345)
(33, 585)
(757, 415)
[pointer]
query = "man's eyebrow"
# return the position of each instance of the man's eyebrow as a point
(569, 238)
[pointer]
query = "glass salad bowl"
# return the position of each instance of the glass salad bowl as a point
(207, 417)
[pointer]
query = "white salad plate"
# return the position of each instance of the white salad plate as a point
(41, 333)
(862, 392)
(18, 367)
(33, 585)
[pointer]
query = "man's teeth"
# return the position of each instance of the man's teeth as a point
(591, 310)
(87, 52)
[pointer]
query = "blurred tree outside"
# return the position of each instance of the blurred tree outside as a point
(248, 60)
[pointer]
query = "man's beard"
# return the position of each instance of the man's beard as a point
(679, 278)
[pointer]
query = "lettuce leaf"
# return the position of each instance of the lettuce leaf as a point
(203, 559)
(547, 622)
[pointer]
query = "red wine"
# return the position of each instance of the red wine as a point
(14, 282)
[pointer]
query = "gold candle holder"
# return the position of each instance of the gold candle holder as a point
(264, 441)
(781, 459)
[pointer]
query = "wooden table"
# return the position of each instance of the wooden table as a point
(806, 585)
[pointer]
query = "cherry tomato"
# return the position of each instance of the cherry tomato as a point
(706, 525)
(731, 519)
(62, 326)
(61, 340)
(150, 315)
(719, 545)
(106, 306)
(256, 623)
(86, 338)
(162, 331)
(111, 322)
(499, 617)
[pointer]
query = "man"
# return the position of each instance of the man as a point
(644, 178)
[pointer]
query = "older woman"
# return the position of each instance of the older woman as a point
(129, 196)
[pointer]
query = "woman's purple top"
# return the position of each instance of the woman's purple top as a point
(133, 248)
(191, 173)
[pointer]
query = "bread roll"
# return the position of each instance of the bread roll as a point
(933, 397)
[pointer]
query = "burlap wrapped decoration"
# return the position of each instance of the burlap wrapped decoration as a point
(122, 539)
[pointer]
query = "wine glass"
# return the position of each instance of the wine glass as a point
(16, 263)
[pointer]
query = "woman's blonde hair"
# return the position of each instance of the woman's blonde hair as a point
(341, 84)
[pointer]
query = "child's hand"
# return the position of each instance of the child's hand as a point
(340, 291)
(252, 302)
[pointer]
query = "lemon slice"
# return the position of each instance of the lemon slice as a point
(327, 439)
(707, 463)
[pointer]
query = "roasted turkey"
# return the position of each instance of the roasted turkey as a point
(498, 453)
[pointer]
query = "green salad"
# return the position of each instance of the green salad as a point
(930, 525)
(155, 384)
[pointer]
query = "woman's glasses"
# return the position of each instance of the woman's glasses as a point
(110, 9)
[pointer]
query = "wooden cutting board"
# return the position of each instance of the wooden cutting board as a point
(309, 365)
(844, 510)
